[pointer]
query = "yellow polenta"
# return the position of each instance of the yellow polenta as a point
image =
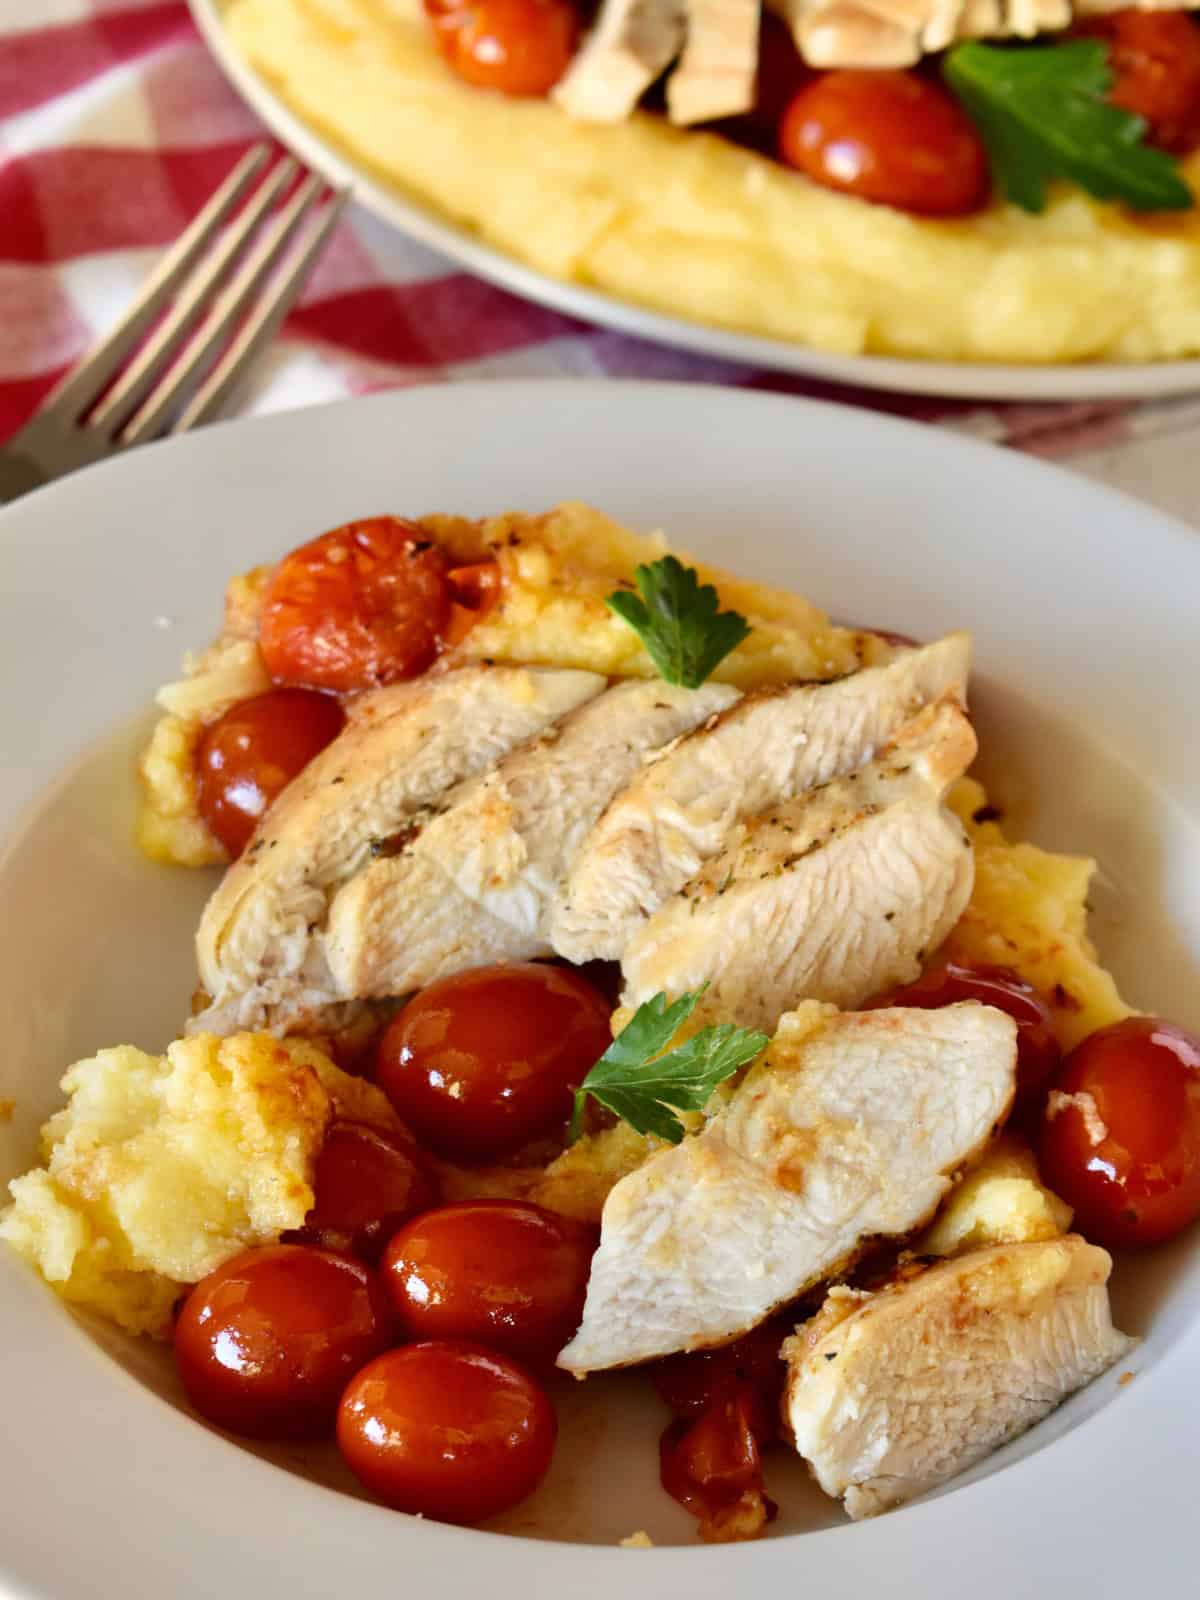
(687, 223)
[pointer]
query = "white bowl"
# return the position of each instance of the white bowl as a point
(1083, 606)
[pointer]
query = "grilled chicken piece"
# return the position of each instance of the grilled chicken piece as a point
(848, 1129)
(834, 896)
(890, 1394)
(632, 43)
(719, 65)
(402, 749)
(478, 883)
(679, 811)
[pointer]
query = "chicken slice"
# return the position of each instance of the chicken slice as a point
(403, 747)
(849, 1128)
(890, 1394)
(834, 896)
(478, 882)
(771, 747)
(632, 43)
(716, 73)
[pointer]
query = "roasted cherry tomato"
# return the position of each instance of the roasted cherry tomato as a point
(692, 1383)
(1037, 1048)
(500, 1272)
(266, 1344)
(363, 605)
(479, 1064)
(448, 1430)
(892, 137)
(366, 1183)
(1155, 60)
(248, 756)
(714, 1468)
(521, 47)
(1120, 1138)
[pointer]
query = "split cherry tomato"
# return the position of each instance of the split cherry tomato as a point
(1155, 59)
(1037, 1048)
(249, 756)
(692, 1383)
(366, 1184)
(892, 137)
(266, 1343)
(500, 1272)
(520, 47)
(714, 1468)
(1120, 1139)
(362, 605)
(447, 1430)
(479, 1064)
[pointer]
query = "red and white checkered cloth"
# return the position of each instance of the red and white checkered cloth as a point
(116, 124)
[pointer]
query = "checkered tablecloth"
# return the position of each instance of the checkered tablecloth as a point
(115, 125)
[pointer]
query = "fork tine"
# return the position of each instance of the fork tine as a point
(233, 302)
(260, 329)
(151, 361)
(81, 386)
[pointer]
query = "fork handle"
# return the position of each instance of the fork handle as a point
(18, 475)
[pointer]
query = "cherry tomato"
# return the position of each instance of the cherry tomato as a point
(781, 72)
(690, 1384)
(1037, 1048)
(448, 1430)
(500, 1272)
(266, 1343)
(520, 47)
(479, 1064)
(250, 755)
(892, 137)
(1155, 60)
(366, 1185)
(713, 1467)
(363, 605)
(1125, 1151)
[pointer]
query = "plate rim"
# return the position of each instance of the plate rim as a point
(901, 1545)
(977, 381)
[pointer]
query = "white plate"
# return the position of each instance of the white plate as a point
(962, 380)
(1084, 608)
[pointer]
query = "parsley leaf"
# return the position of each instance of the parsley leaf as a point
(1041, 112)
(677, 619)
(633, 1079)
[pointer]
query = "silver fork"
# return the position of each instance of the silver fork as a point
(221, 291)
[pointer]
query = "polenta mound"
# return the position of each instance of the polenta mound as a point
(687, 223)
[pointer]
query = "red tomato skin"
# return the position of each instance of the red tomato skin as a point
(266, 1343)
(447, 1430)
(691, 1383)
(248, 756)
(1038, 1054)
(479, 1064)
(360, 606)
(1155, 62)
(713, 1466)
(503, 1273)
(1133, 1177)
(891, 137)
(518, 47)
(366, 1184)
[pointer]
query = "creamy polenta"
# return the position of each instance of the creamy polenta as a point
(688, 223)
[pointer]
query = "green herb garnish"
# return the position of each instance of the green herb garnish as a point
(678, 620)
(639, 1084)
(1041, 112)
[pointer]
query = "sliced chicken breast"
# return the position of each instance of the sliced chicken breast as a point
(834, 896)
(890, 1394)
(478, 883)
(848, 1129)
(678, 813)
(716, 73)
(402, 749)
(632, 43)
